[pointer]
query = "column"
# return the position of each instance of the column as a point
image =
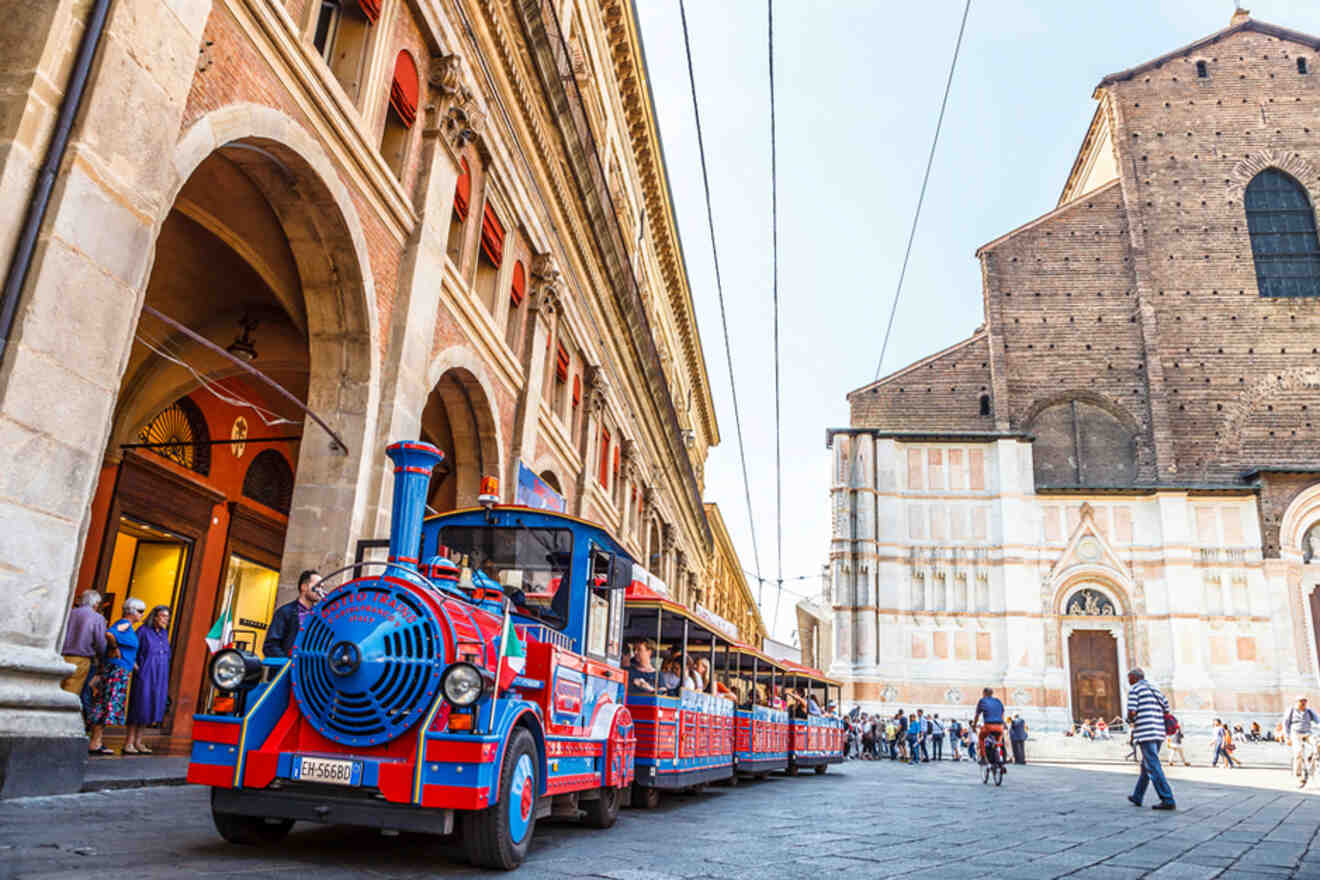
(543, 305)
(59, 375)
(405, 384)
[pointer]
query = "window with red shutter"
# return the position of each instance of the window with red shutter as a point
(404, 88)
(492, 236)
(519, 291)
(604, 475)
(463, 191)
(561, 364)
(577, 390)
(370, 8)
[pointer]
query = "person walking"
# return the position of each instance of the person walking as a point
(1175, 741)
(84, 640)
(150, 693)
(1146, 710)
(112, 687)
(1017, 737)
(1297, 728)
(288, 618)
(937, 737)
(902, 735)
(955, 739)
(1223, 745)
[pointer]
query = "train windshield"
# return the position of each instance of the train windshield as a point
(519, 558)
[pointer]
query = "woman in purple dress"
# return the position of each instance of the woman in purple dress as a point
(151, 679)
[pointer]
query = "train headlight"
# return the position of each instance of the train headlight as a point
(462, 684)
(232, 669)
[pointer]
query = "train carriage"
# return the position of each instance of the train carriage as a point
(473, 682)
(815, 739)
(684, 734)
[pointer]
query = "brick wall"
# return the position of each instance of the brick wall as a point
(942, 392)
(1241, 372)
(1158, 265)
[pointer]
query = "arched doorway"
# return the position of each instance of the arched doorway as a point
(1094, 639)
(209, 473)
(458, 420)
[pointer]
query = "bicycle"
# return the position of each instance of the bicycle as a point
(1309, 759)
(994, 759)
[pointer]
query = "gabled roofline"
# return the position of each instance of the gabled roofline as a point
(1098, 122)
(1066, 206)
(1249, 24)
(978, 335)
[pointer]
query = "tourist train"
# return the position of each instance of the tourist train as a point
(474, 682)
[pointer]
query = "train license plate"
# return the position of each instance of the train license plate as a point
(327, 770)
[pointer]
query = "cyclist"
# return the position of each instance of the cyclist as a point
(990, 711)
(1297, 727)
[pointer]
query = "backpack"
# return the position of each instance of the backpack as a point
(1170, 723)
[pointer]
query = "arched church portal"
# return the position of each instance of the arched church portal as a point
(1094, 637)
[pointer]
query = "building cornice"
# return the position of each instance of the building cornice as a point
(929, 436)
(634, 88)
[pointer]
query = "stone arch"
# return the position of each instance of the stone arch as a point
(1246, 169)
(1302, 514)
(324, 233)
(1105, 452)
(1109, 581)
(1236, 426)
(460, 418)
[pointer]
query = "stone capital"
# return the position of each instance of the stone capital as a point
(457, 110)
(668, 536)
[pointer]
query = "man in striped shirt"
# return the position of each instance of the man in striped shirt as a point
(1146, 708)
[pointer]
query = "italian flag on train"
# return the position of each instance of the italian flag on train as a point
(221, 634)
(512, 650)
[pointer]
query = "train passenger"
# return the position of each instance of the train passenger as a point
(813, 708)
(797, 707)
(694, 679)
(703, 665)
(641, 677)
(671, 675)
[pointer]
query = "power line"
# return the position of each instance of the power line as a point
(719, 289)
(774, 287)
(930, 160)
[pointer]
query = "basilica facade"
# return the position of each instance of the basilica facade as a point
(1119, 468)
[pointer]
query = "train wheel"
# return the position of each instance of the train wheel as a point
(822, 769)
(249, 830)
(500, 835)
(602, 812)
(646, 797)
(792, 770)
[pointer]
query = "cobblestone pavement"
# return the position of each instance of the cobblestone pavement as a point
(867, 819)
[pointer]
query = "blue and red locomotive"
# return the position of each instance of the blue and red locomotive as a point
(473, 682)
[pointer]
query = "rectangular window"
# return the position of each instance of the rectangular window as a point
(534, 560)
(935, 458)
(915, 469)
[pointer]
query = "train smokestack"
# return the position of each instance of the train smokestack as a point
(413, 462)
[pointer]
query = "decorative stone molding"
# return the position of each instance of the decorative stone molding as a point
(668, 536)
(457, 112)
(1289, 163)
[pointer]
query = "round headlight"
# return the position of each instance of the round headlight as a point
(462, 684)
(228, 670)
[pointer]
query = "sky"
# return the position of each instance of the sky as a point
(858, 87)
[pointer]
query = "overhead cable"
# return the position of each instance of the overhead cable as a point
(719, 289)
(930, 160)
(774, 288)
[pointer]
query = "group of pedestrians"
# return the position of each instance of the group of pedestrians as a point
(919, 738)
(121, 671)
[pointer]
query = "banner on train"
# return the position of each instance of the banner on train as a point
(535, 492)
